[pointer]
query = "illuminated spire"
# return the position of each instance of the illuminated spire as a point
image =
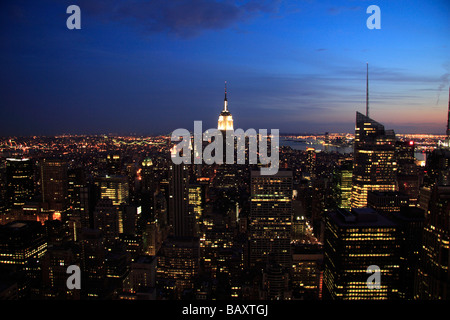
(225, 101)
(225, 119)
(367, 91)
(448, 118)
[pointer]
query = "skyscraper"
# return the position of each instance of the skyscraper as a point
(270, 218)
(407, 173)
(54, 183)
(374, 165)
(355, 240)
(19, 181)
(225, 119)
(21, 242)
(114, 188)
(345, 184)
(178, 262)
(433, 277)
(180, 217)
(108, 219)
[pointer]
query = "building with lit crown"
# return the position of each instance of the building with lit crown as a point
(225, 119)
(374, 165)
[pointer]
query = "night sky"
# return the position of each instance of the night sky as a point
(149, 67)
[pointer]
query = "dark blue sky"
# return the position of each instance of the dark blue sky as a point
(153, 66)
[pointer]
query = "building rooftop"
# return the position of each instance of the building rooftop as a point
(360, 217)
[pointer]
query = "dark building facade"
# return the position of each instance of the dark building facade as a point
(354, 241)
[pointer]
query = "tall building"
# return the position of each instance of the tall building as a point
(148, 180)
(355, 240)
(374, 165)
(433, 277)
(178, 264)
(345, 184)
(180, 217)
(407, 173)
(311, 161)
(270, 219)
(411, 222)
(225, 119)
(54, 183)
(21, 242)
(93, 269)
(19, 181)
(54, 272)
(196, 202)
(388, 201)
(108, 219)
(115, 188)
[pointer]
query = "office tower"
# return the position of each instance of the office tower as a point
(307, 271)
(117, 265)
(76, 180)
(160, 210)
(275, 283)
(410, 221)
(448, 120)
(130, 216)
(374, 164)
(387, 201)
(114, 188)
(355, 240)
(179, 254)
(142, 274)
(407, 173)
(433, 273)
(311, 162)
(54, 184)
(225, 119)
(178, 264)
(152, 238)
(114, 163)
(54, 273)
(108, 219)
(196, 202)
(270, 218)
(437, 167)
(148, 181)
(181, 219)
(22, 242)
(93, 270)
(19, 181)
(218, 247)
(345, 174)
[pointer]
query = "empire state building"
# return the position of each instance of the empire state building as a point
(225, 122)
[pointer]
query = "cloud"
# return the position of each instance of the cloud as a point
(443, 81)
(340, 9)
(182, 18)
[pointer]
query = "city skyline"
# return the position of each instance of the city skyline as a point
(149, 68)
